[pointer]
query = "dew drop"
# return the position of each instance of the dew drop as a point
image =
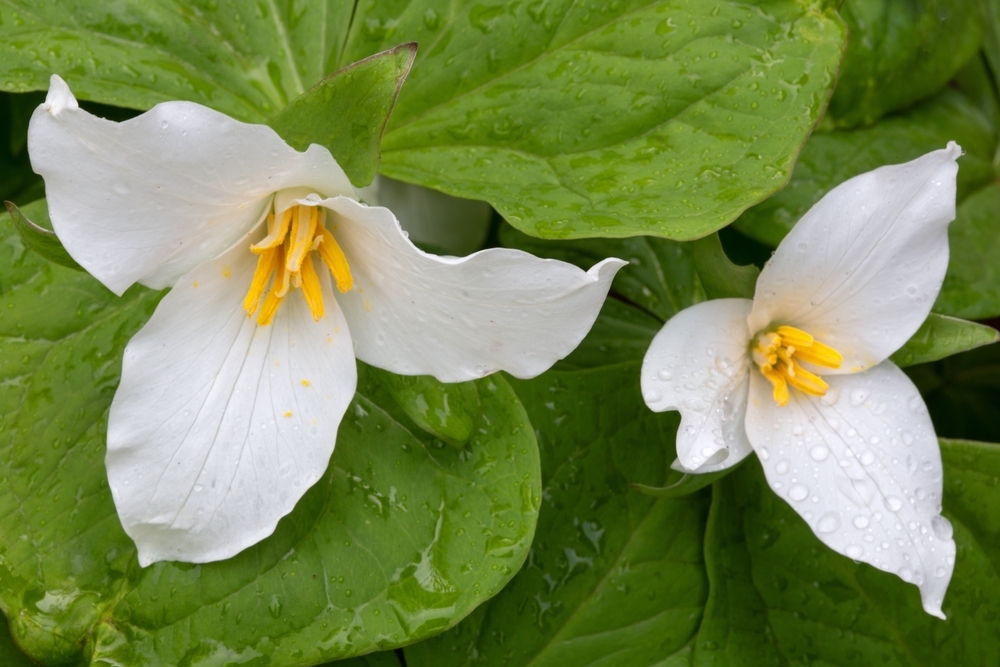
(781, 467)
(653, 397)
(942, 527)
(859, 396)
(907, 438)
(664, 374)
(828, 523)
(867, 457)
(894, 503)
(798, 492)
(861, 522)
(763, 453)
(855, 551)
(819, 453)
(832, 396)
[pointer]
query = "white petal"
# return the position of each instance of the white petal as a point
(459, 318)
(180, 184)
(219, 426)
(862, 268)
(862, 466)
(698, 364)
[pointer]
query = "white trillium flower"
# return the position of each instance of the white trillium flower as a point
(232, 393)
(800, 374)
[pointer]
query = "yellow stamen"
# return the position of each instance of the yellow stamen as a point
(285, 262)
(333, 256)
(311, 289)
(779, 354)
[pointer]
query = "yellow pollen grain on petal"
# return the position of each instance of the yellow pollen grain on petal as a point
(311, 289)
(305, 383)
(333, 256)
(288, 413)
(301, 236)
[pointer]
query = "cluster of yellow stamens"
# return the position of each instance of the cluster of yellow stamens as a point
(778, 353)
(286, 255)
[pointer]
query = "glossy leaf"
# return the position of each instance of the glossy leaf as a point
(830, 159)
(10, 654)
(615, 577)
(779, 596)
(680, 484)
(940, 336)
(721, 278)
(600, 119)
(347, 112)
(972, 287)
(451, 412)
(962, 393)
(401, 539)
(40, 239)
(245, 59)
(621, 333)
(899, 53)
(17, 182)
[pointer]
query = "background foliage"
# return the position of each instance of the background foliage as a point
(653, 122)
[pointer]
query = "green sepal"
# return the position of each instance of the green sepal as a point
(719, 276)
(683, 483)
(449, 411)
(347, 112)
(39, 239)
(941, 336)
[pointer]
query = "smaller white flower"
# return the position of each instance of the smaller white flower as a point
(800, 374)
(232, 394)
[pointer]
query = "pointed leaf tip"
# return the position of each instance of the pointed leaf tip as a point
(39, 239)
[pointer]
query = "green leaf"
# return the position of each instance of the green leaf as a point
(615, 577)
(17, 180)
(681, 484)
(621, 333)
(451, 412)
(660, 276)
(347, 112)
(402, 537)
(830, 159)
(39, 239)
(962, 393)
(972, 287)
(605, 119)
(779, 596)
(719, 276)
(940, 336)
(899, 53)
(245, 59)
(10, 654)
(380, 659)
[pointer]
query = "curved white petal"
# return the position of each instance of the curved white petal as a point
(178, 184)
(458, 319)
(862, 268)
(698, 364)
(862, 466)
(219, 426)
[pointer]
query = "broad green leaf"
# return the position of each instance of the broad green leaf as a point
(781, 597)
(245, 59)
(962, 393)
(605, 119)
(899, 53)
(940, 336)
(830, 159)
(10, 654)
(673, 116)
(621, 333)
(401, 539)
(451, 412)
(719, 276)
(347, 111)
(991, 37)
(380, 659)
(40, 239)
(972, 287)
(615, 577)
(660, 276)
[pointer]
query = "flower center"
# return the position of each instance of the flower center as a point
(778, 353)
(286, 255)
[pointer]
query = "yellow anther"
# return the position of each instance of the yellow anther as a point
(285, 262)
(779, 354)
(333, 257)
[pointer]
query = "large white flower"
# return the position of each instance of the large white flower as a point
(232, 393)
(800, 374)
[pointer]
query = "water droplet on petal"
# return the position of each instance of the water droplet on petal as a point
(798, 492)
(861, 522)
(859, 396)
(781, 467)
(664, 374)
(828, 523)
(942, 527)
(763, 453)
(854, 551)
(819, 452)
(894, 503)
